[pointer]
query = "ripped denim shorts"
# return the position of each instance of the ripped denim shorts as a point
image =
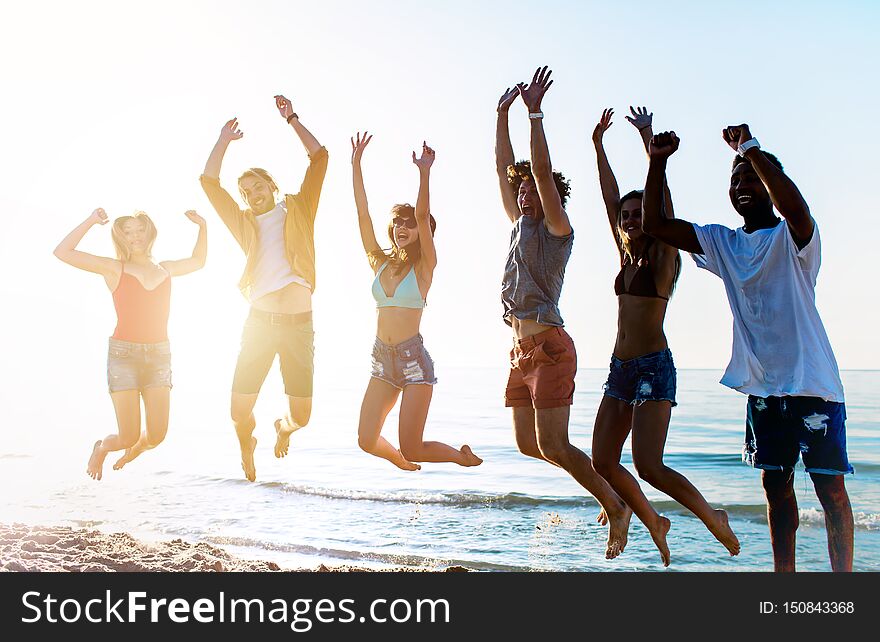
(650, 377)
(403, 364)
(136, 366)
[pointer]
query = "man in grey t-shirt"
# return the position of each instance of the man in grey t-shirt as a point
(543, 361)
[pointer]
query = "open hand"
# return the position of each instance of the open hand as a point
(98, 217)
(426, 160)
(603, 125)
(533, 93)
(663, 145)
(230, 131)
(507, 98)
(736, 135)
(640, 117)
(285, 107)
(358, 145)
(195, 218)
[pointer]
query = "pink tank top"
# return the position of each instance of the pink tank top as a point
(141, 314)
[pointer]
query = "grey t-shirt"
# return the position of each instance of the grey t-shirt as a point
(534, 272)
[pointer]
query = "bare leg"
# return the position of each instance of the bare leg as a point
(413, 415)
(552, 431)
(242, 412)
(650, 426)
(782, 514)
(527, 441)
(127, 404)
(157, 402)
(379, 399)
(613, 424)
(299, 415)
(831, 491)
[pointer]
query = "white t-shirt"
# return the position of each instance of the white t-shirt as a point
(272, 269)
(780, 347)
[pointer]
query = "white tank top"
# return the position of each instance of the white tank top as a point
(272, 269)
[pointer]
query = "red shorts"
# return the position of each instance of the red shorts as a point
(542, 370)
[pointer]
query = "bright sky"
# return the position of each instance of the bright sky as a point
(117, 105)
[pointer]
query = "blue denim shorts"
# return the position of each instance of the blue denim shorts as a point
(403, 364)
(135, 366)
(779, 429)
(650, 377)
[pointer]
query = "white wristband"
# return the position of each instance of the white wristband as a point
(746, 146)
(536, 114)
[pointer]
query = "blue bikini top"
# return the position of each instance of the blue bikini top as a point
(407, 294)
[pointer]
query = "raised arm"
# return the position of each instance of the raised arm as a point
(199, 253)
(554, 216)
(643, 121)
(784, 193)
(310, 190)
(423, 210)
(607, 181)
(285, 108)
(504, 153)
(228, 133)
(67, 252)
(368, 234)
(674, 232)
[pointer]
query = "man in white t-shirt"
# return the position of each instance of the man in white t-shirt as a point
(781, 355)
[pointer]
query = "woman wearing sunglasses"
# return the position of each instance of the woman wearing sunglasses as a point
(403, 277)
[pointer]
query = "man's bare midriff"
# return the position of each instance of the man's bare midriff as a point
(528, 327)
(396, 325)
(639, 326)
(291, 299)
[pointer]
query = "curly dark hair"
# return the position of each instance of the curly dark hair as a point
(742, 159)
(522, 170)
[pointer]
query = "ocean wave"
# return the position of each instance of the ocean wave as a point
(354, 556)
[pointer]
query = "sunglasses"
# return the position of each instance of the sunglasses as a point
(399, 221)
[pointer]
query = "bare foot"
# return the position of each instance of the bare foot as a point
(723, 533)
(405, 464)
(247, 460)
(602, 517)
(470, 459)
(96, 461)
(617, 532)
(659, 537)
(282, 442)
(131, 453)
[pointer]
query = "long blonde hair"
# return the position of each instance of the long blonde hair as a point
(123, 251)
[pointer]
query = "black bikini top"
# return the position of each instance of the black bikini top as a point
(642, 282)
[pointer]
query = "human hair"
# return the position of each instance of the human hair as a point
(123, 251)
(398, 257)
(262, 174)
(621, 235)
(522, 170)
(624, 239)
(770, 157)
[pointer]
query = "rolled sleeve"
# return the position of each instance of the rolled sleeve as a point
(310, 190)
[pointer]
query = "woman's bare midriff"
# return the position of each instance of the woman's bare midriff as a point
(396, 325)
(291, 299)
(639, 326)
(528, 327)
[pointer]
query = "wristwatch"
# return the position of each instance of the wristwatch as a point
(746, 146)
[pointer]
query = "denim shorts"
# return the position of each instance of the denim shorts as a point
(136, 366)
(650, 377)
(780, 429)
(403, 364)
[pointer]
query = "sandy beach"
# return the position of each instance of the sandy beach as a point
(60, 548)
